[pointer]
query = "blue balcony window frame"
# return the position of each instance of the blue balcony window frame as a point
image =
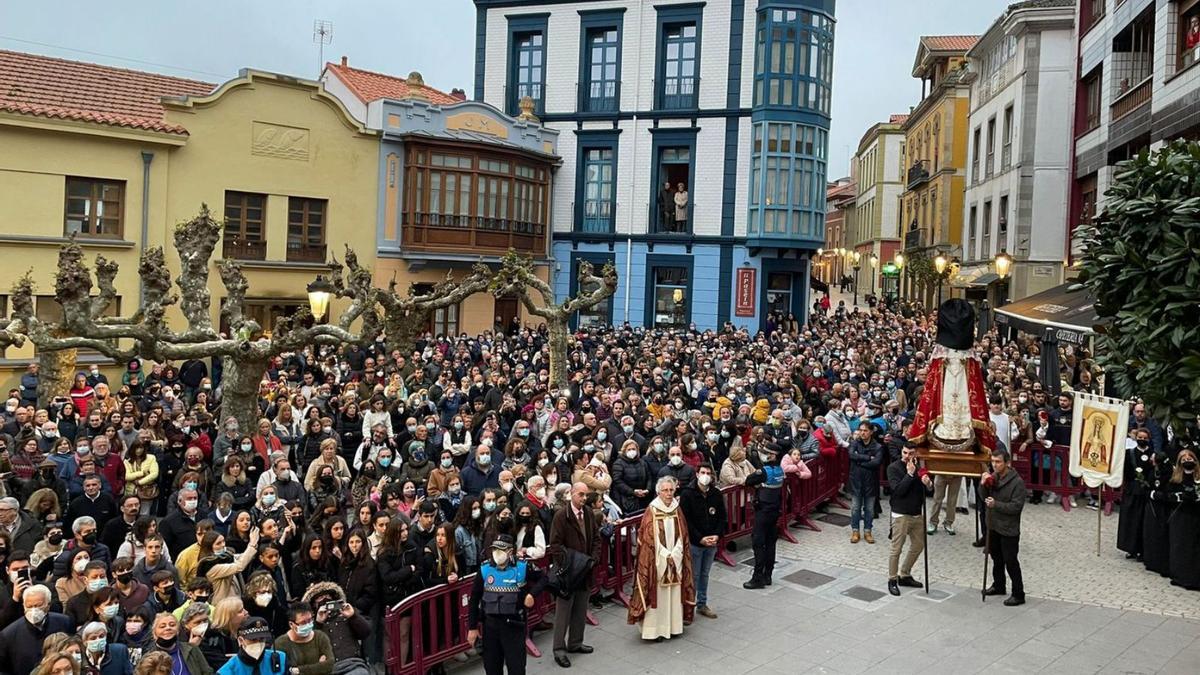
(656, 262)
(673, 137)
(818, 28)
(793, 208)
(598, 261)
(591, 22)
(600, 139)
(669, 17)
(520, 26)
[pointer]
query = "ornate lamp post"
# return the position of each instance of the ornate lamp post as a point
(899, 260)
(319, 292)
(874, 271)
(940, 263)
(1004, 264)
(857, 257)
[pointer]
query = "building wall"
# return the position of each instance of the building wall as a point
(331, 158)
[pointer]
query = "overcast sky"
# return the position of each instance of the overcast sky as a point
(875, 43)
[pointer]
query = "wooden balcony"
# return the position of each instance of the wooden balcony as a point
(471, 235)
(306, 253)
(244, 249)
(1133, 99)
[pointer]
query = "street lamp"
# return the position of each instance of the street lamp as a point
(1004, 264)
(899, 260)
(874, 271)
(939, 264)
(319, 292)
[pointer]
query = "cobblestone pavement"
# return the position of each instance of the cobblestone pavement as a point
(1058, 559)
(827, 619)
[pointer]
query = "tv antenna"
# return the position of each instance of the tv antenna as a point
(322, 35)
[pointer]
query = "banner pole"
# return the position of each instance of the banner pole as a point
(1099, 519)
(925, 533)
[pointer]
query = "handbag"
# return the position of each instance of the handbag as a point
(147, 492)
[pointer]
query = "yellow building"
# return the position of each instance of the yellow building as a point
(118, 157)
(935, 142)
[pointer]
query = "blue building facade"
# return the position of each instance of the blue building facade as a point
(694, 140)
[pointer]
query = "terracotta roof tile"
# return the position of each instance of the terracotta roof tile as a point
(31, 84)
(370, 86)
(897, 119)
(949, 43)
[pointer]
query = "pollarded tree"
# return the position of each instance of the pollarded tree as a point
(1141, 263)
(517, 277)
(246, 351)
(405, 316)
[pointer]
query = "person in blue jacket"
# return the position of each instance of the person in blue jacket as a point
(254, 655)
(101, 655)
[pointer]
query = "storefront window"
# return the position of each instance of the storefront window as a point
(671, 297)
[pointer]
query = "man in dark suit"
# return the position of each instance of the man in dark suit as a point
(575, 527)
(21, 641)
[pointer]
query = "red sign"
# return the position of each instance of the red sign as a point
(746, 283)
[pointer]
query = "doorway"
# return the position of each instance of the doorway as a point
(507, 313)
(674, 168)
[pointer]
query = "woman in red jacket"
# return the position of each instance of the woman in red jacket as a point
(82, 395)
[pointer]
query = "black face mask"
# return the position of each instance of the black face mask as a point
(48, 474)
(166, 643)
(55, 539)
(89, 539)
(1189, 464)
(125, 577)
(1143, 444)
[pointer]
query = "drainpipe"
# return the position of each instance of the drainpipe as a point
(637, 99)
(147, 157)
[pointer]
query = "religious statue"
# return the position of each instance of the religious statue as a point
(664, 592)
(952, 413)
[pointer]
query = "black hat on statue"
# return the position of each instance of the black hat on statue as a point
(956, 324)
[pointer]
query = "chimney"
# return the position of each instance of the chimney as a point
(344, 64)
(458, 94)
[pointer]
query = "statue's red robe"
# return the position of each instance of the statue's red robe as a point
(929, 406)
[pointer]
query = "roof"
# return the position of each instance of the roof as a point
(43, 86)
(897, 119)
(370, 86)
(949, 43)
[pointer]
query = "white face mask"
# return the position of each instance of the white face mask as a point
(631, 454)
(676, 460)
(254, 649)
(190, 504)
(500, 557)
(262, 599)
(35, 615)
(704, 479)
(80, 564)
(200, 629)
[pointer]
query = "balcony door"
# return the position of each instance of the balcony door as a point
(674, 170)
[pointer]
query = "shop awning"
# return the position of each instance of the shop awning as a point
(818, 285)
(1071, 313)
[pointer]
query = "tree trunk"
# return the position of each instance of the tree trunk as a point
(239, 391)
(558, 351)
(56, 374)
(403, 334)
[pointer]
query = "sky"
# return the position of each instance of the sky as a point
(875, 43)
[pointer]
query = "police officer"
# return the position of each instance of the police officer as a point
(502, 592)
(767, 504)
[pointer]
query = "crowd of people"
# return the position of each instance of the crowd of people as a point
(142, 528)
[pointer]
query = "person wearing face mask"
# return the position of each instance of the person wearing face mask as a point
(418, 467)
(441, 476)
(139, 633)
(631, 479)
(255, 656)
(704, 509)
(481, 474)
(767, 481)
(21, 641)
(1140, 469)
(1184, 521)
(503, 590)
(656, 455)
(307, 649)
(678, 468)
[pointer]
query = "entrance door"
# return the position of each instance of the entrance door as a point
(507, 311)
(674, 169)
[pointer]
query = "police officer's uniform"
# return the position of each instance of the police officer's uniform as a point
(768, 501)
(499, 594)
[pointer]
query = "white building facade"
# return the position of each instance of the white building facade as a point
(1019, 152)
(727, 103)
(881, 176)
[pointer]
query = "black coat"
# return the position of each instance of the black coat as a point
(399, 574)
(1184, 533)
(864, 467)
(360, 582)
(627, 476)
(21, 643)
(103, 509)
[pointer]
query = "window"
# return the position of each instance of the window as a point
(268, 313)
(986, 252)
(461, 199)
(680, 67)
(94, 207)
(526, 61)
(245, 237)
(601, 314)
(976, 148)
(991, 148)
(1006, 149)
(603, 70)
(599, 190)
(1002, 223)
(971, 232)
(787, 180)
(1091, 12)
(671, 290)
(779, 293)
(1089, 108)
(1133, 54)
(1188, 33)
(306, 229)
(442, 321)
(1088, 195)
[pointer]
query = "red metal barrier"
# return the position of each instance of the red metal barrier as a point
(739, 519)
(438, 627)
(1056, 478)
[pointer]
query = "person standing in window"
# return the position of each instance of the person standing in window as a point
(666, 207)
(681, 208)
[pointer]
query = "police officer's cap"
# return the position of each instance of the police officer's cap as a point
(503, 542)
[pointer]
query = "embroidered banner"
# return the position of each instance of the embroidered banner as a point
(1099, 427)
